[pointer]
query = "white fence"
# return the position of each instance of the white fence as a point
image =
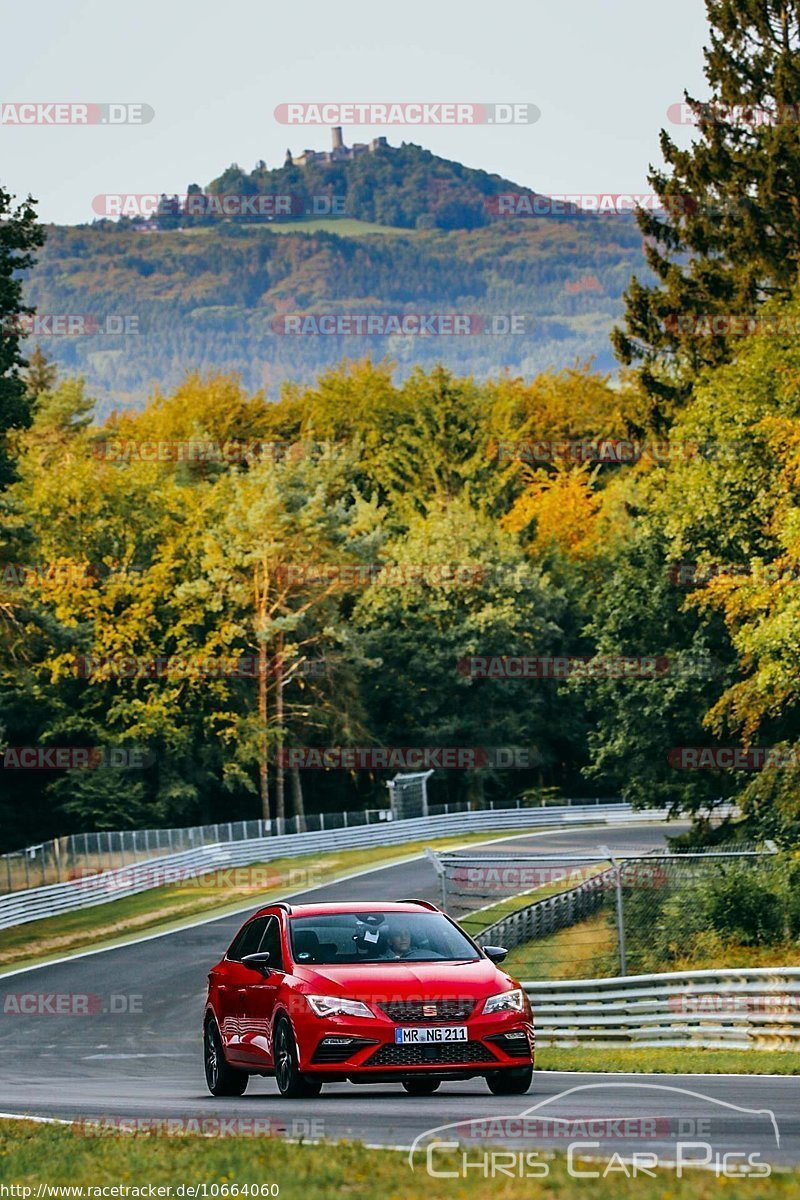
(751, 1008)
(35, 903)
(64, 858)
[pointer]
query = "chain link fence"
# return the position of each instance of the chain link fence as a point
(565, 916)
(409, 795)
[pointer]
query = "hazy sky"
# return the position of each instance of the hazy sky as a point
(603, 73)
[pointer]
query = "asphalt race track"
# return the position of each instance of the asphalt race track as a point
(144, 1062)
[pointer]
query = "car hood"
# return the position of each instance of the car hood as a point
(408, 980)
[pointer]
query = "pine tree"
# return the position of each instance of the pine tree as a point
(41, 374)
(729, 237)
(19, 235)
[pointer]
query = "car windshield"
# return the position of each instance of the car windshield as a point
(378, 937)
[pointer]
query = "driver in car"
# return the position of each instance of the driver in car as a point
(399, 941)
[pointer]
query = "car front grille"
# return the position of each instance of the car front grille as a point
(401, 1011)
(432, 1052)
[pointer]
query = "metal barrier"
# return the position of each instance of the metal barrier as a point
(98, 888)
(751, 1008)
(544, 917)
(66, 858)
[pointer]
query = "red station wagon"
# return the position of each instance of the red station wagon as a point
(371, 993)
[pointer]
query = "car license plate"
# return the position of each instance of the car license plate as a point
(422, 1034)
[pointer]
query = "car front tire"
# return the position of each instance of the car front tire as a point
(221, 1079)
(421, 1087)
(513, 1082)
(291, 1083)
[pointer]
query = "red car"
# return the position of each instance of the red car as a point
(316, 993)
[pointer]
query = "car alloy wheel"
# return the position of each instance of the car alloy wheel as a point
(291, 1083)
(221, 1079)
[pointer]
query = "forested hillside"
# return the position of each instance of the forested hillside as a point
(176, 293)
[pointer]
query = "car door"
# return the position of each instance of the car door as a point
(258, 999)
(232, 988)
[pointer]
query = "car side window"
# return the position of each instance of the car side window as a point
(248, 939)
(271, 941)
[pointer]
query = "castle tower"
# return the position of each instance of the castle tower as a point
(338, 140)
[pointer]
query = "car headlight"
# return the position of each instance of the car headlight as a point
(333, 1006)
(505, 1002)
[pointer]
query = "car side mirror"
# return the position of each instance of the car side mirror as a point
(258, 962)
(495, 953)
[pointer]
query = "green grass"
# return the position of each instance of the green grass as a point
(577, 952)
(31, 1154)
(588, 950)
(658, 1061)
(343, 226)
(349, 227)
(171, 906)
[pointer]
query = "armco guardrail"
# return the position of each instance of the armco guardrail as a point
(544, 917)
(751, 1008)
(64, 858)
(35, 903)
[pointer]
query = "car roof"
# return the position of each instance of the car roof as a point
(331, 908)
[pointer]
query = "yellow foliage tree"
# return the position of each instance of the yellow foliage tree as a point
(563, 508)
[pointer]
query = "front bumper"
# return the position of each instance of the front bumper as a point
(347, 1046)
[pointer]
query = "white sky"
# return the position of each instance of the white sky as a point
(603, 73)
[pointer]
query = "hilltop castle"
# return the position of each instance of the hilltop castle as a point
(338, 153)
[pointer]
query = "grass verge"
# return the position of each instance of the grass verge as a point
(212, 894)
(644, 1060)
(573, 953)
(33, 1154)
